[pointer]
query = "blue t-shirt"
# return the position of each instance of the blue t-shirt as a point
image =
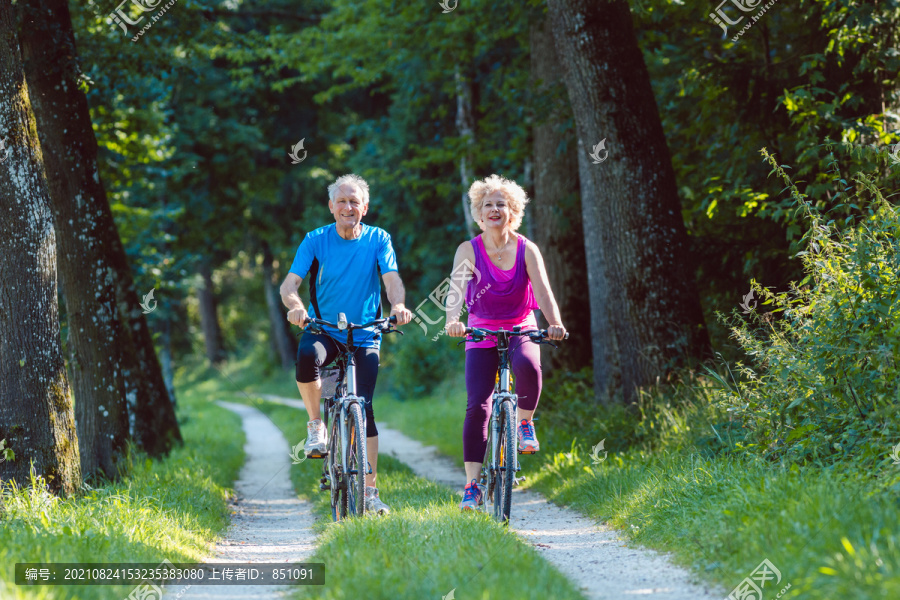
(343, 276)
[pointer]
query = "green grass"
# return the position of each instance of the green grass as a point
(833, 533)
(170, 509)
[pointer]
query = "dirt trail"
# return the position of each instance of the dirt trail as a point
(270, 523)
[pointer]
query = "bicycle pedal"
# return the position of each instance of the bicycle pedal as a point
(317, 456)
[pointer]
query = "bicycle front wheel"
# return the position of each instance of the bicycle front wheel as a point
(506, 463)
(357, 461)
(335, 474)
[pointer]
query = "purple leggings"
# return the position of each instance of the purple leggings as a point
(481, 373)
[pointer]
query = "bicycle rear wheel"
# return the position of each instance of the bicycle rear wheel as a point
(357, 461)
(506, 463)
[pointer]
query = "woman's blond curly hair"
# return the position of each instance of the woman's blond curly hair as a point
(515, 196)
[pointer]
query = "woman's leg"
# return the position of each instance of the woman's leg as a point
(526, 367)
(481, 372)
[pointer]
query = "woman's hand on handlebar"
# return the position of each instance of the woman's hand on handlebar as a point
(456, 329)
(297, 316)
(556, 332)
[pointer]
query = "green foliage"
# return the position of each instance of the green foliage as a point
(414, 364)
(822, 383)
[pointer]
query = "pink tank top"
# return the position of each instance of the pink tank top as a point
(500, 298)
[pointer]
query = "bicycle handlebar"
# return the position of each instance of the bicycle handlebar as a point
(538, 336)
(343, 325)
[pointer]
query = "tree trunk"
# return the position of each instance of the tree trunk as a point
(465, 123)
(95, 274)
(209, 315)
(96, 339)
(556, 207)
(37, 419)
(658, 321)
(605, 349)
(281, 335)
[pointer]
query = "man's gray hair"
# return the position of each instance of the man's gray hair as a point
(352, 179)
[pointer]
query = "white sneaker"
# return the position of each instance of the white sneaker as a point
(316, 439)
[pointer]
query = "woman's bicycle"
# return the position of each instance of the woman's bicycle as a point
(501, 459)
(346, 460)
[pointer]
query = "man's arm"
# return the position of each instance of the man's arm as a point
(291, 299)
(396, 294)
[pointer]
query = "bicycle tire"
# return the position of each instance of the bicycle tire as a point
(339, 506)
(506, 465)
(357, 460)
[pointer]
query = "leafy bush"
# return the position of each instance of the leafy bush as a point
(823, 379)
(417, 363)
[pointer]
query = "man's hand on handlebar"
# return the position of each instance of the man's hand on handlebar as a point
(403, 314)
(556, 332)
(456, 329)
(297, 316)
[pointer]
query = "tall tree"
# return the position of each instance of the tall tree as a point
(112, 374)
(209, 314)
(284, 342)
(96, 341)
(36, 415)
(556, 207)
(653, 301)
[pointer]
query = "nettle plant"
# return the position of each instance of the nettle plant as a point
(823, 384)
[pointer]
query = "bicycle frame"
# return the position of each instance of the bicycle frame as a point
(502, 393)
(344, 397)
(339, 414)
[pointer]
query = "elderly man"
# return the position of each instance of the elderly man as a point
(344, 260)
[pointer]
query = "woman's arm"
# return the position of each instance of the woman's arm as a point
(534, 263)
(459, 279)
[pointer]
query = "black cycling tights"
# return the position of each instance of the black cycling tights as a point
(316, 351)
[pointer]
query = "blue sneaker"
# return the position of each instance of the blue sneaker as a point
(472, 497)
(528, 443)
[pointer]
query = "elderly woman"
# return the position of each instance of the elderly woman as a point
(510, 283)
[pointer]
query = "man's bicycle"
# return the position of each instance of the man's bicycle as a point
(346, 460)
(501, 459)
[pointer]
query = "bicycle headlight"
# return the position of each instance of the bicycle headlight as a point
(342, 321)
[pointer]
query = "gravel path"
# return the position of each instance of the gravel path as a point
(270, 523)
(594, 557)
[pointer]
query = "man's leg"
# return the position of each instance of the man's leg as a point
(312, 397)
(367, 361)
(313, 352)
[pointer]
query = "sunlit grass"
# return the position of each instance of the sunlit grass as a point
(170, 509)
